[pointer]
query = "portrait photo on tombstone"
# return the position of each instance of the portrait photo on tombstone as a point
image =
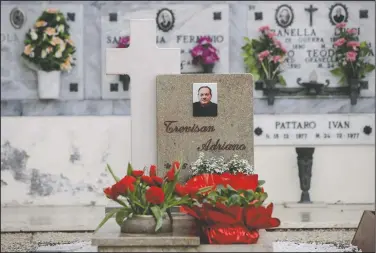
(205, 100)
(338, 13)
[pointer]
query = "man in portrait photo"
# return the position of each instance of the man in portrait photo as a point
(284, 17)
(338, 18)
(205, 107)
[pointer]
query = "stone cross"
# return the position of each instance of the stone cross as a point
(311, 10)
(143, 61)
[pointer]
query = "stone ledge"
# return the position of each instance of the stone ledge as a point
(305, 205)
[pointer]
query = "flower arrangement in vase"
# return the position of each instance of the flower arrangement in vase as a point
(124, 42)
(205, 54)
(229, 207)
(352, 58)
(264, 56)
(218, 165)
(146, 199)
(49, 49)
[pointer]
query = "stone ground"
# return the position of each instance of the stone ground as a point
(55, 229)
(302, 240)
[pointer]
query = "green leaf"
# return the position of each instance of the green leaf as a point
(112, 173)
(204, 189)
(158, 215)
(261, 182)
(106, 218)
(368, 67)
(337, 72)
(121, 215)
(263, 196)
(129, 169)
(363, 44)
(281, 80)
(234, 200)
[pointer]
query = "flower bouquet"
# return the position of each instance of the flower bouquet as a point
(48, 44)
(265, 56)
(205, 54)
(229, 207)
(147, 196)
(49, 50)
(352, 56)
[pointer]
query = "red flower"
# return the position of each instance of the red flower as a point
(155, 195)
(110, 194)
(148, 180)
(125, 184)
(181, 190)
(170, 175)
(175, 165)
(153, 171)
(137, 173)
(157, 180)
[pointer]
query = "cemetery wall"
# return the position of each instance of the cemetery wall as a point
(55, 152)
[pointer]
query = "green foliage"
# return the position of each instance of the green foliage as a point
(347, 66)
(265, 67)
(48, 44)
(232, 197)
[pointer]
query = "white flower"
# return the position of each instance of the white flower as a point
(43, 54)
(58, 54)
(58, 18)
(31, 55)
(33, 35)
(61, 28)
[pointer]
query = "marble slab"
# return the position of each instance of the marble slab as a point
(310, 45)
(184, 23)
(181, 135)
(17, 80)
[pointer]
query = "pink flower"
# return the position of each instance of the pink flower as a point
(263, 54)
(124, 42)
(339, 42)
(204, 40)
(353, 44)
(341, 25)
(352, 31)
(276, 58)
(271, 35)
(277, 43)
(197, 51)
(351, 56)
(210, 59)
(283, 49)
(264, 28)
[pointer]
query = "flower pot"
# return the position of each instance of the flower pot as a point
(271, 90)
(208, 68)
(49, 84)
(354, 90)
(145, 224)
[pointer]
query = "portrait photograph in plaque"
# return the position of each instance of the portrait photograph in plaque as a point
(205, 100)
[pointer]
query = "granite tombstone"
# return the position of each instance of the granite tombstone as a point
(182, 135)
(178, 26)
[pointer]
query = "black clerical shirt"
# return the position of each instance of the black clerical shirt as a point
(209, 110)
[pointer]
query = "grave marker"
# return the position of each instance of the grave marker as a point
(307, 30)
(179, 132)
(19, 81)
(143, 61)
(178, 26)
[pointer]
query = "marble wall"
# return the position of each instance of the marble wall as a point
(18, 90)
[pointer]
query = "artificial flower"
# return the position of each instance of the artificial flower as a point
(40, 23)
(147, 180)
(351, 56)
(339, 42)
(153, 171)
(50, 31)
(28, 49)
(137, 173)
(264, 28)
(341, 25)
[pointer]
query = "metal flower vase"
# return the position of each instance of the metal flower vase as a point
(208, 68)
(145, 224)
(354, 90)
(305, 161)
(270, 90)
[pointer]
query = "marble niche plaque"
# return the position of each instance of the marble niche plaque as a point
(307, 31)
(17, 80)
(224, 130)
(315, 130)
(178, 26)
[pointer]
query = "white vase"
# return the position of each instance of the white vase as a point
(49, 84)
